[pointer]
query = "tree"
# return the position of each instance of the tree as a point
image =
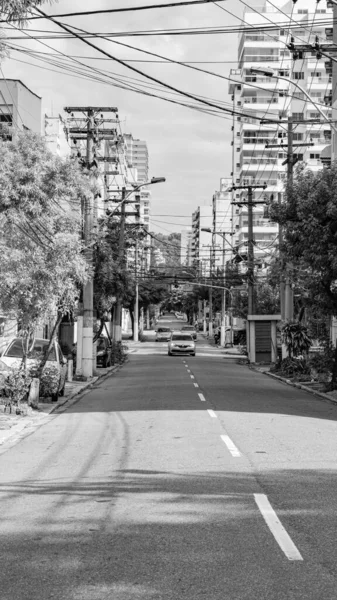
(309, 221)
(17, 10)
(42, 261)
(170, 246)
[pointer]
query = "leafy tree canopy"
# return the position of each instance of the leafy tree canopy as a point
(17, 10)
(42, 260)
(309, 220)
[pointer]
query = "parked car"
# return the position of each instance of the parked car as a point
(181, 343)
(191, 330)
(163, 334)
(103, 358)
(12, 355)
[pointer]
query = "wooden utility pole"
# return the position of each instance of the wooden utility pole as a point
(121, 261)
(250, 271)
(286, 292)
(86, 127)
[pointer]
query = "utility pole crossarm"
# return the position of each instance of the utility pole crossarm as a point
(70, 109)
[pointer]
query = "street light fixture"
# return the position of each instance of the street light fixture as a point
(270, 73)
(223, 299)
(136, 315)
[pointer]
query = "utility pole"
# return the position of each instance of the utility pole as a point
(223, 299)
(121, 261)
(88, 290)
(334, 83)
(250, 271)
(136, 309)
(86, 129)
(210, 290)
(286, 292)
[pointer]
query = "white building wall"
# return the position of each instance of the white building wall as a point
(261, 96)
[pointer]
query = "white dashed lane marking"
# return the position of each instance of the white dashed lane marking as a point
(212, 413)
(280, 534)
(202, 397)
(195, 385)
(231, 446)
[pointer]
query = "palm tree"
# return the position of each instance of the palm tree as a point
(295, 337)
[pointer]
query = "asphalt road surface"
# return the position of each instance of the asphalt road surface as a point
(176, 478)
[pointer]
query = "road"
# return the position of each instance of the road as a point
(175, 479)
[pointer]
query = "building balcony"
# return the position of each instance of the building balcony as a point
(318, 83)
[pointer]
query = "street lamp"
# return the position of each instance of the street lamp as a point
(136, 311)
(223, 299)
(270, 73)
(136, 188)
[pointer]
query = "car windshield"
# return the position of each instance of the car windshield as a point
(15, 350)
(187, 328)
(164, 330)
(181, 337)
(100, 344)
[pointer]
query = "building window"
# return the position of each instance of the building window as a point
(299, 75)
(297, 137)
(302, 11)
(238, 149)
(298, 116)
(313, 156)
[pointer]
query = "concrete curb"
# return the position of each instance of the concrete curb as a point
(299, 386)
(86, 385)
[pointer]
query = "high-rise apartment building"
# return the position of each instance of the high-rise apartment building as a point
(222, 222)
(137, 157)
(202, 218)
(259, 97)
(186, 247)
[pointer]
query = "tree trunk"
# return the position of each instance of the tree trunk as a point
(99, 332)
(333, 382)
(132, 322)
(50, 345)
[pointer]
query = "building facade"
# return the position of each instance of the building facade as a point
(186, 247)
(20, 108)
(201, 244)
(137, 157)
(261, 96)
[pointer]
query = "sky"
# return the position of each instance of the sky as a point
(191, 149)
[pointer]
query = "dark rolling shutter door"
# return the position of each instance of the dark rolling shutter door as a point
(263, 341)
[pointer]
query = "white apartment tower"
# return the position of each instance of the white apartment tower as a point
(259, 97)
(137, 156)
(202, 240)
(186, 247)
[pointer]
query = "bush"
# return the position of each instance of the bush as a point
(295, 336)
(118, 354)
(49, 382)
(16, 386)
(322, 363)
(293, 366)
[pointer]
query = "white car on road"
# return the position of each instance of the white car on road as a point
(12, 355)
(181, 343)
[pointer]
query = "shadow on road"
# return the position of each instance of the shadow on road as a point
(142, 535)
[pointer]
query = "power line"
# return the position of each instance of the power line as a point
(121, 10)
(154, 79)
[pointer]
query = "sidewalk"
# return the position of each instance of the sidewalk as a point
(14, 427)
(313, 388)
(233, 351)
